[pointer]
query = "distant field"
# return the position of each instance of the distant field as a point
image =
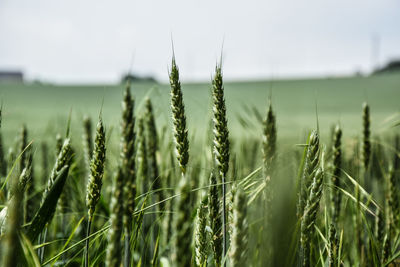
(45, 108)
(270, 205)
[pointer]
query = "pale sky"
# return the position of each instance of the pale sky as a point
(84, 41)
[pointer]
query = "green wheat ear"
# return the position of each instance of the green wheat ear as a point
(128, 154)
(62, 160)
(141, 159)
(269, 140)
(221, 133)
(221, 143)
(394, 207)
(152, 147)
(366, 147)
(380, 225)
(336, 171)
(201, 242)
(310, 195)
(95, 181)
(87, 141)
(179, 118)
(310, 167)
(310, 216)
(23, 142)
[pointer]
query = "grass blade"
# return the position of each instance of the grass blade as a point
(47, 209)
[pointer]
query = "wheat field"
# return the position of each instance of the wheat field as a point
(278, 173)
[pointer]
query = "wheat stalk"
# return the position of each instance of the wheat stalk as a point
(182, 222)
(128, 153)
(269, 137)
(152, 147)
(142, 164)
(239, 239)
(113, 256)
(215, 220)
(333, 246)
(30, 201)
(95, 180)
(10, 161)
(23, 143)
(386, 250)
(221, 143)
(45, 160)
(182, 254)
(337, 160)
(11, 255)
(3, 162)
(143, 177)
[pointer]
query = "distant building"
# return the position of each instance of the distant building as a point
(11, 76)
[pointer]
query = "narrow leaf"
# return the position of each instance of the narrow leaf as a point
(47, 209)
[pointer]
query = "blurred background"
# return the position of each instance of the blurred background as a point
(98, 41)
(57, 56)
(315, 61)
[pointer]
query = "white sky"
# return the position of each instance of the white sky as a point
(93, 41)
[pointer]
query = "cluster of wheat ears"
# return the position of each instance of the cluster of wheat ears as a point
(160, 207)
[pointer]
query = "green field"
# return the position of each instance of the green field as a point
(284, 202)
(45, 108)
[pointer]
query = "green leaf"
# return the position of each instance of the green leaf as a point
(68, 241)
(156, 248)
(29, 252)
(47, 209)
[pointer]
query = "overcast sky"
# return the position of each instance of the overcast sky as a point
(94, 41)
